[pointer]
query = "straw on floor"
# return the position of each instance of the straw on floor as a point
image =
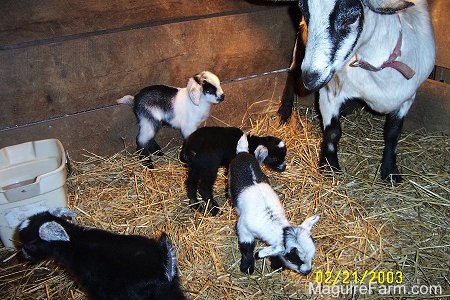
(366, 224)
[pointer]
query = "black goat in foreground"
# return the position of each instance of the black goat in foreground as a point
(107, 265)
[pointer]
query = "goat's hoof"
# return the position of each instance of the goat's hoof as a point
(148, 163)
(391, 175)
(329, 170)
(285, 113)
(247, 269)
(392, 178)
(158, 153)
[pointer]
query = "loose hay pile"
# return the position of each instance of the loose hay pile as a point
(365, 223)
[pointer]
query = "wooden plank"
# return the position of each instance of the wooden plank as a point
(23, 22)
(431, 109)
(106, 131)
(47, 81)
(440, 10)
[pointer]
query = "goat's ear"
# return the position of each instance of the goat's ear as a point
(387, 6)
(62, 212)
(53, 231)
(309, 222)
(261, 153)
(195, 91)
(170, 257)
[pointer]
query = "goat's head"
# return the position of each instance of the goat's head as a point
(205, 86)
(334, 27)
(299, 246)
(38, 231)
(272, 152)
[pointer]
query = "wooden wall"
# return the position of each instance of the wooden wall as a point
(63, 63)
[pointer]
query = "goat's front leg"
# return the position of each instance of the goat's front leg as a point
(330, 110)
(209, 176)
(392, 130)
(191, 182)
(269, 251)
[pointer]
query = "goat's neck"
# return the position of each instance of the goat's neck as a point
(378, 37)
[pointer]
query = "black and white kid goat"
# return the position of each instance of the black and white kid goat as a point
(378, 51)
(209, 148)
(107, 265)
(181, 108)
(262, 216)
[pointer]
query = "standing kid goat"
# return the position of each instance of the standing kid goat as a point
(261, 216)
(378, 51)
(208, 148)
(180, 108)
(107, 265)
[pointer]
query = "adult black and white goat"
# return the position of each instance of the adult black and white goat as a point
(107, 265)
(209, 148)
(262, 216)
(180, 108)
(379, 51)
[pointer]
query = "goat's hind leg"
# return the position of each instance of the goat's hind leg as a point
(246, 247)
(145, 139)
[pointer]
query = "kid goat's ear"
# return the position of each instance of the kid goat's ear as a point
(53, 231)
(309, 222)
(261, 153)
(170, 256)
(195, 89)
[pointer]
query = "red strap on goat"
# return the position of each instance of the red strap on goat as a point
(403, 68)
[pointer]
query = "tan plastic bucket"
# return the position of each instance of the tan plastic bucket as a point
(32, 180)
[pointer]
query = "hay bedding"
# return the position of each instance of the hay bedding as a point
(365, 224)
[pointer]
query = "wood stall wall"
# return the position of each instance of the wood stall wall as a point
(64, 63)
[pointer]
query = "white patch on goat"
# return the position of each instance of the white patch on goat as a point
(156, 112)
(385, 91)
(330, 147)
(214, 80)
(146, 131)
(186, 115)
(281, 144)
(318, 47)
(261, 213)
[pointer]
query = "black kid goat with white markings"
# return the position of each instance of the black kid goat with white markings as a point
(181, 108)
(107, 265)
(209, 148)
(262, 216)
